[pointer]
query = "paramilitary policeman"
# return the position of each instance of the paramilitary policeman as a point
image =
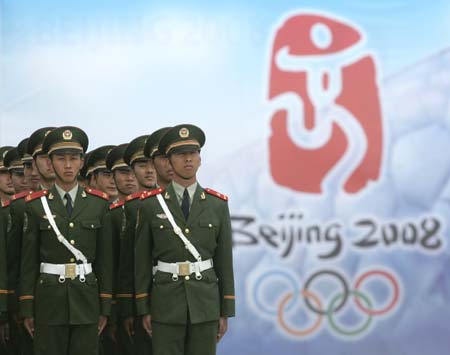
(183, 267)
(29, 166)
(40, 160)
(102, 176)
(146, 178)
(164, 172)
(66, 255)
(18, 336)
(126, 185)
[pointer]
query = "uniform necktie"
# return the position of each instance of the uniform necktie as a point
(185, 204)
(69, 206)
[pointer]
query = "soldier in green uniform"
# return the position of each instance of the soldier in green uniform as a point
(146, 178)
(183, 268)
(102, 176)
(30, 171)
(19, 337)
(65, 283)
(126, 185)
(7, 345)
(83, 179)
(14, 164)
(164, 172)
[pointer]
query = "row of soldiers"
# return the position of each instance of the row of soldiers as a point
(115, 251)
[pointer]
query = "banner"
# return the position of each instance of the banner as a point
(327, 125)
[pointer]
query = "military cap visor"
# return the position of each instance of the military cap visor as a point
(182, 138)
(23, 151)
(97, 159)
(65, 139)
(12, 159)
(135, 150)
(35, 142)
(151, 145)
(115, 160)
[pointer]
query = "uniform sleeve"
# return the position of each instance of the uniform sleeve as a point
(103, 264)
(223, 264)
(143, 261)
(3, 288)
(14, 238)
(125, 284)
(29, 270)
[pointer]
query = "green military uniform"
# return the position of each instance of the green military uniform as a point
(3, 270)
(185, 307)
(125, 287)
(64, 296)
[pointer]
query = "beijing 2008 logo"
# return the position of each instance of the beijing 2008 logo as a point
(326, 122)
(349, 309)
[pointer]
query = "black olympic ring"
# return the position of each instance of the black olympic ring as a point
(344, 296)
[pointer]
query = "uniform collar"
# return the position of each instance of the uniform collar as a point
(179, 190)
(72, 193)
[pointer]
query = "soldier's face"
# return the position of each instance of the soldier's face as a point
(163, 168)
(125, 181)
(19, 182)
(44, 167)
(31, 175)
(185, 164)
(105, 182)
(6, 185)
(145, 173)
(67, 166)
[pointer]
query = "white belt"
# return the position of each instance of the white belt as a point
(67, 270)
(184, 268)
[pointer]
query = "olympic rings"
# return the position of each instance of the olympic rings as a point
(340, 329)
(395, 297)
(304, 332)
(314, 303)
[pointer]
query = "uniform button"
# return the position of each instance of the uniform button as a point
(92, 226)
(72, 242)
(41, 281)
(210, 225)
(186, 230)
(71, 225)
(72, 260)
(49, 227)
(161, 226)
(187, 278)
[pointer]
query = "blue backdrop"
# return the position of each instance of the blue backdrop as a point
(328, 126)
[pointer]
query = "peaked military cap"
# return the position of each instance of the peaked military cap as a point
(114, 159)
(3, 152)
(36, 139)
(181, 138)
(135, 150)
(97, 159)
(12, 160)
(84, 170)
(151, 146)
(23, 152)
(66, 138)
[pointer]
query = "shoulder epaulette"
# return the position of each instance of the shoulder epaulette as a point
(217, 194)
(133, 196)
(150, 193)
(98, 193)
(20, 195)
(35, 195)
(117, 204)
(6, 203)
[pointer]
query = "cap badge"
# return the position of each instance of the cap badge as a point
(67, 135)
(184, 132)
(46, 133)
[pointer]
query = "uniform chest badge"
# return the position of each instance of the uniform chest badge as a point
(161, 215)
(45, 216)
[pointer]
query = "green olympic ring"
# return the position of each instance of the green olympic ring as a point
(349, 332)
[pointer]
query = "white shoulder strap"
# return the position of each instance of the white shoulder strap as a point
(78, 254)
(189, 246)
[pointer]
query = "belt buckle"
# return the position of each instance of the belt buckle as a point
(70, 271)
(184, 269)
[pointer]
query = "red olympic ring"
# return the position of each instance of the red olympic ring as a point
(300, 332)
(395, 297)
